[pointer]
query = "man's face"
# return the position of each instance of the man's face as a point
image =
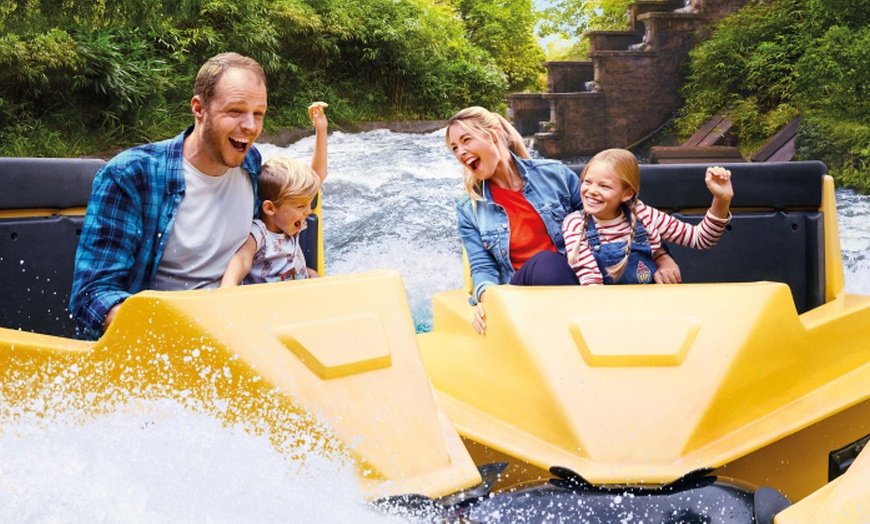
(234, 118)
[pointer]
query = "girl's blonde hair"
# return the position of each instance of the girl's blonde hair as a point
(283, 178)
(623, 165)
(480, 122)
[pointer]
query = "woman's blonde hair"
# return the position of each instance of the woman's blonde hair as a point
(623, 165)
(480, 122)
(283, 178)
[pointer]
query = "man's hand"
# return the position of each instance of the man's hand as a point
(110, 316)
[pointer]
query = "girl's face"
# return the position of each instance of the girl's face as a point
(602, 192)
(288, 217)
(480, 154)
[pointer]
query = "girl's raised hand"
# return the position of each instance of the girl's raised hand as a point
(719, 182)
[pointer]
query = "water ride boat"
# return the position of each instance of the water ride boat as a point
(738, 396)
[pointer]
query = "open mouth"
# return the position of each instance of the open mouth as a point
(240, 145)
(591, 202)
(301, 224)
(473, 164)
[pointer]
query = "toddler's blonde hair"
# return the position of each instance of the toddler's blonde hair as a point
(283, 178)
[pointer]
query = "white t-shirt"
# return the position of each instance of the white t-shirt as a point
(212, 223)
(278, 256)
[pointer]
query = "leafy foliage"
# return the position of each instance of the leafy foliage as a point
(570, 19)
(505, 30)
(78, 76)
(775, 59)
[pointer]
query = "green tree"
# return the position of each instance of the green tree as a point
(78, 76)
(506, 30)
(777, 58)
(572, 18)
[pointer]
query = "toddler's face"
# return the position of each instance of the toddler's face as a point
(291, 214)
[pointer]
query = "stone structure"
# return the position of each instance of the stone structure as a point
(628, 87)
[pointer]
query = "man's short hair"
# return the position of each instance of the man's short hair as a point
(211, 72)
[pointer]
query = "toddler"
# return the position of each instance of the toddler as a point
(286, 189)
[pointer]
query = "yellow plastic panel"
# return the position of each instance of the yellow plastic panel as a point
(601, 341)
(338, 347)
(228, 347)
(846, 500)
(835, 280)
(643, 384)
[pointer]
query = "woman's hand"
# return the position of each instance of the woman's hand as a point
(667, 271)
(479, 319)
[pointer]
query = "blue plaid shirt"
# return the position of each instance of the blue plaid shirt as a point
(128, 222)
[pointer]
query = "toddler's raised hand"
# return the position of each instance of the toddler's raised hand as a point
(317, 114)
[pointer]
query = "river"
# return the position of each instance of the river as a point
(388, 203)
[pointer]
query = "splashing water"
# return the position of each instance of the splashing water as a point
(853, 213)
(388, 203)
(164, 464)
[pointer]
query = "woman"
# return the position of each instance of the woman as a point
(510, 220)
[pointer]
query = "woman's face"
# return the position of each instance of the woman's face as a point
(603, 193)
(480, 154)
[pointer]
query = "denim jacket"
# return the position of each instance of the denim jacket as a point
(553, 190)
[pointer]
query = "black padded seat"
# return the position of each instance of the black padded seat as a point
(53, 183)
(776, 233)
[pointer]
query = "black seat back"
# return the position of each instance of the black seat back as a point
(776, 233)
(42, 206)
(43, 202)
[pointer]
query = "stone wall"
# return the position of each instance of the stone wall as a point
(634, 85)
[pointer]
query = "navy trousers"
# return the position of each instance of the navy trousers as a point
(546, 268)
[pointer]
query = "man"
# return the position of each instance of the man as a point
(169, 215)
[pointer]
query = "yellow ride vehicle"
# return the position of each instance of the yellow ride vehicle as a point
(738, 396)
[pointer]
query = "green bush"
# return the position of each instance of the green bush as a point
(82, 76)
(775, 59)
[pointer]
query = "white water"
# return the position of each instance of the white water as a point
(388, 203)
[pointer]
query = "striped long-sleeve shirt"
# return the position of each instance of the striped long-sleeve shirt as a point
(659, 226)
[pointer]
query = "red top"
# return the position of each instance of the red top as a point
(528, 233)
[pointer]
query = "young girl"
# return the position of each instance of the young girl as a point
(612, 240)
(286, 189)
(272, 253)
